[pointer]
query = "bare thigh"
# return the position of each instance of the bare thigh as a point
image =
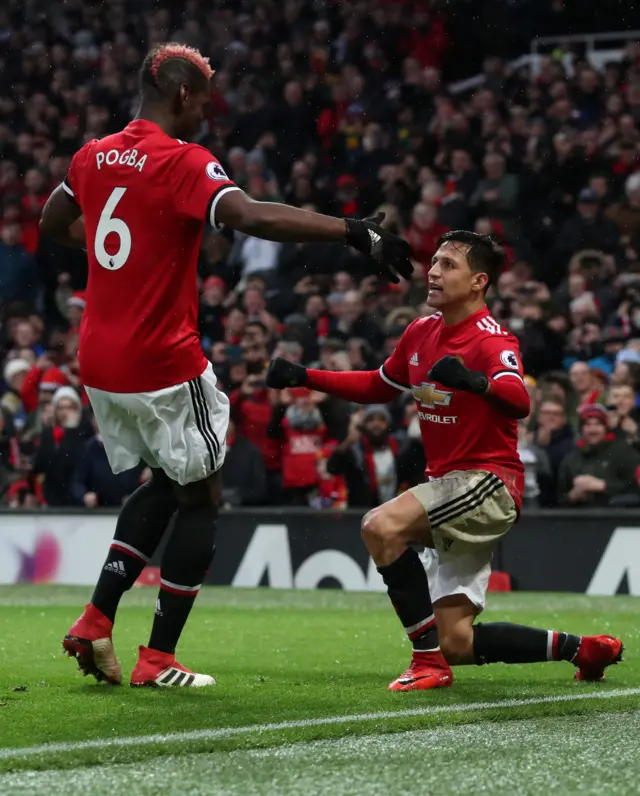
(389, 529)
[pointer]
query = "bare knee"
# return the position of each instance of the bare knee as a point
(382, 535)
(457, 644)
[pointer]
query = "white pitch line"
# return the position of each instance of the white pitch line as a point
(229, 732)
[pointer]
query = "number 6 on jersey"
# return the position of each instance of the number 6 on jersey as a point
(106, 224)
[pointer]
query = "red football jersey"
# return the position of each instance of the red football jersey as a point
(145, 198)
(460, 430)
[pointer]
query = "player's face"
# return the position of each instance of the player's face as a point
(195, 107)
(451, 280)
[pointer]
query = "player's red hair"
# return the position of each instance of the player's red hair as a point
(171, 50)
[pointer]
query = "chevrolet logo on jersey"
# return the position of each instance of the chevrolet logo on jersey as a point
(428, 396)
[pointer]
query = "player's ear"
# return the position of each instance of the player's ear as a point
(480, 282)
(183, 94)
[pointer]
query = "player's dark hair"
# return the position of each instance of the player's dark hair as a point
(484, 253)
(169, 66)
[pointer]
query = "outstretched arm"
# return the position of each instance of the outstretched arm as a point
(279, 222)
(360, 386)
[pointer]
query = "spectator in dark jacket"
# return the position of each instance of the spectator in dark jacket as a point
(554, 435)
(244, 474)
(19, 276)
(602, 470)
(61, 446)
(368, 458)
(586, 229)
(94, 482)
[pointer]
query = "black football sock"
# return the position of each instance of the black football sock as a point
(408, 590)
(185, 562)
(140, 527)
(503, 642)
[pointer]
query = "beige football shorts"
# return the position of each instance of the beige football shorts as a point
(467, 509)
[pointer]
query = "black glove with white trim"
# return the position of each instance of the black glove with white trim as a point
(450, 372)
(390, 253)
(283, 374)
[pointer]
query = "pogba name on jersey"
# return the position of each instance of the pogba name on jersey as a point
(128, 157)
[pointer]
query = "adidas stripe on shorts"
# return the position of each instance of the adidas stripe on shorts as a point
(181, 429)
(468, 510)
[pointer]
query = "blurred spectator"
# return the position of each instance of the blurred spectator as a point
(15, 372)
(251, 410)
(624, 415)
(9, 452)
(352, 321)
(586, 229)
(602, 470)
(244, 474)
(496, 195)
(94, 483)
(211, 314)
(625, 214)
(368, 458)
(586, 383)
(423, 233)
(297, 421)
(554, 437)
(332, 489)
(19, 275)
(61, 448)
(538, 478)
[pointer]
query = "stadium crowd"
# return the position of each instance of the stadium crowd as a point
(342, 108)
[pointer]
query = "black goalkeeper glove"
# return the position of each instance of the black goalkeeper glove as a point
(390, 253)
(450, 372)
(283, 374)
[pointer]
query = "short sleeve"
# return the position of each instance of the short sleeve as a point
(395, 370)
(72, 182)
(501, 358)
(199, 181)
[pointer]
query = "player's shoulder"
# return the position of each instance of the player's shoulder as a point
(85, 151)
(488, 330)
(429, 324)
(194, 157)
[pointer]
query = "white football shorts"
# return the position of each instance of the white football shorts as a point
(469, 511)
(181, 429)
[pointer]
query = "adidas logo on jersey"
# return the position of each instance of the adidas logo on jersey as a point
(117, 567)
(158, 609)
(488, 324)
(414, 360)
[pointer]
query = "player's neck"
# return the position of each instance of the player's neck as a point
(460, 312)
(150, 113)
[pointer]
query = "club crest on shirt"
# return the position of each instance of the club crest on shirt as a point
(215, 171)
(427, 395)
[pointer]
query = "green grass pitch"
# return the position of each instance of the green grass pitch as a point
(301, 705)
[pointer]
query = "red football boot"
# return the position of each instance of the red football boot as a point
(89, 642)
(427, 670)
(594, 654)
(156, 669)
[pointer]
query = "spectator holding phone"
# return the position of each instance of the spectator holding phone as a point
(368, 458)
(251, 409)
(297, 422)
